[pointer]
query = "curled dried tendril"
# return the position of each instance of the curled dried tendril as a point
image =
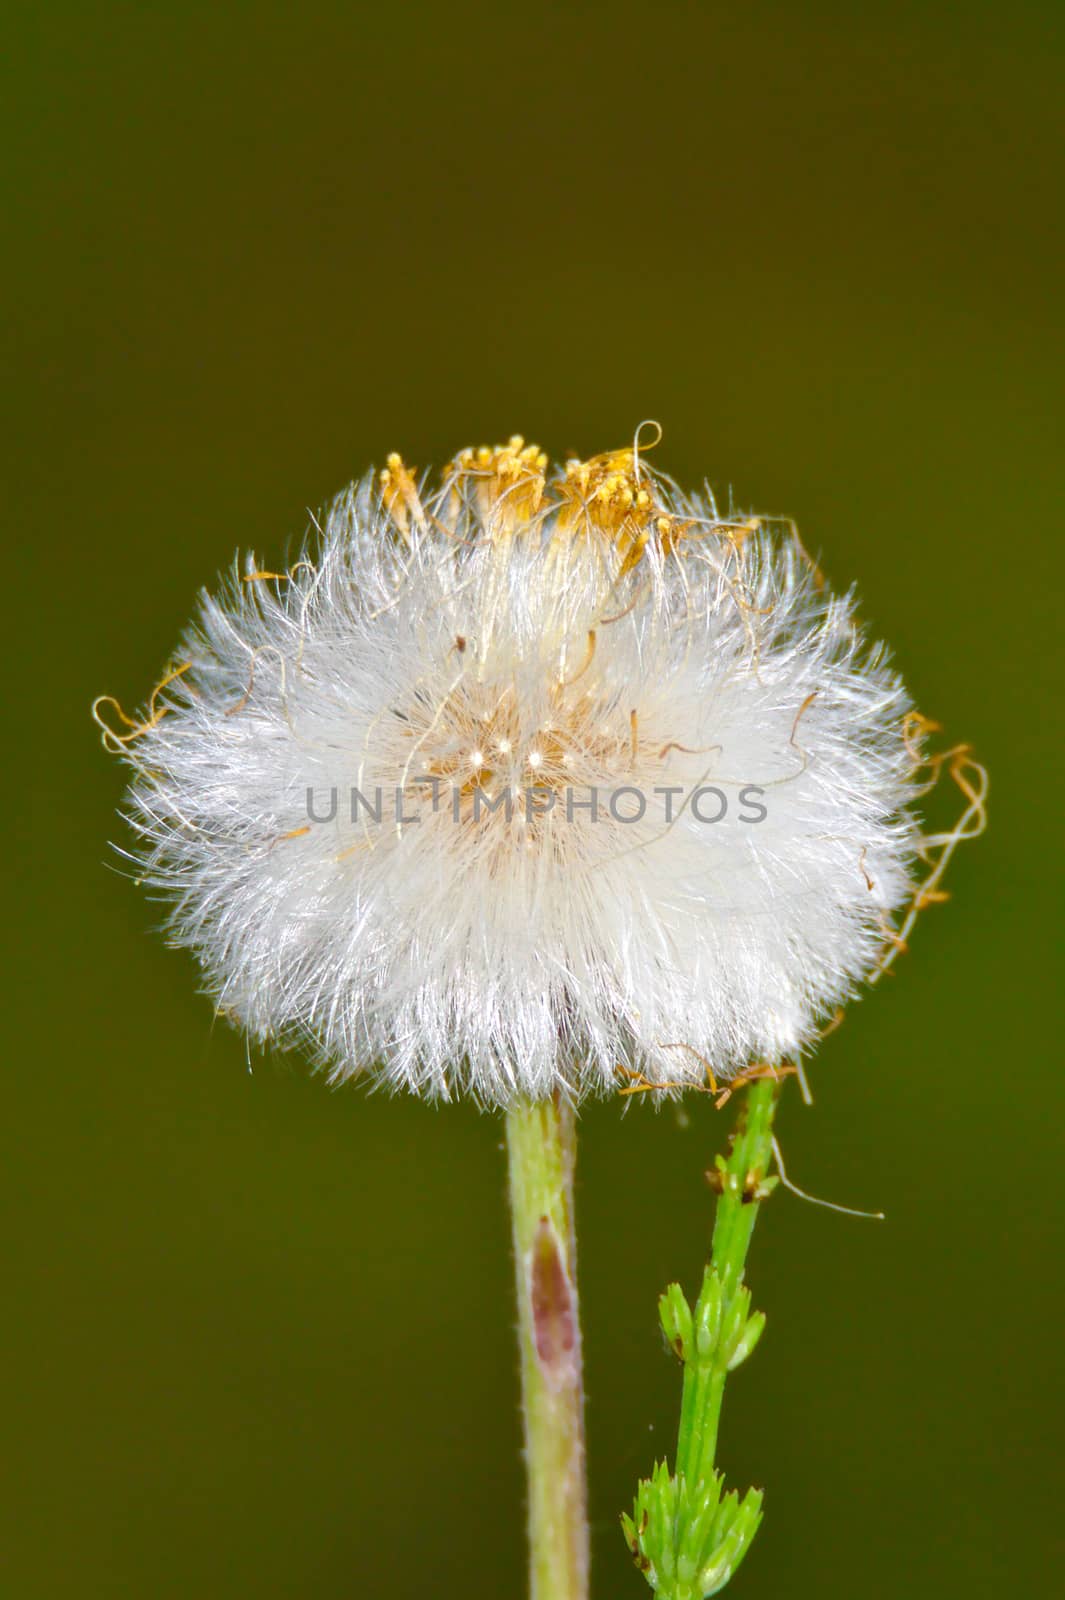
(936, 849)
(110, 737)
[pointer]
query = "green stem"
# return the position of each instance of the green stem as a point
(686, 1534)
(741, 1182)
(541, 1148)
(742, 1187)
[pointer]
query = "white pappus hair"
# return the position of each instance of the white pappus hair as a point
(545, 780)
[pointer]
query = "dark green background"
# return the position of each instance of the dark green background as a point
(260, 1334)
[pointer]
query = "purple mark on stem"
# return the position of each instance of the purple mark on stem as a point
(554, 1319)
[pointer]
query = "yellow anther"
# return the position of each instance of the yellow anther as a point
(399, 495)
(507, 481)
(610, 495)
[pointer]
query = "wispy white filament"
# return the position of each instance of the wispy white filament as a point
(511, 632)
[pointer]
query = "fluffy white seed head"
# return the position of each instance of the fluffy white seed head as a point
(545, 780)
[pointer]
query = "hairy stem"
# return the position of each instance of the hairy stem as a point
(541, 1147)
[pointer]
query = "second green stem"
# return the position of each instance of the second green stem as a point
(741, 1181)
(685, 1534)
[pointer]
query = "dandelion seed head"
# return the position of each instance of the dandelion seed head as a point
(478, 660)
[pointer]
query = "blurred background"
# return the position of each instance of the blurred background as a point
(259, 1334)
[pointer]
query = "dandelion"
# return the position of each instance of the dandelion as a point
(531, 784)
(652, 780)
